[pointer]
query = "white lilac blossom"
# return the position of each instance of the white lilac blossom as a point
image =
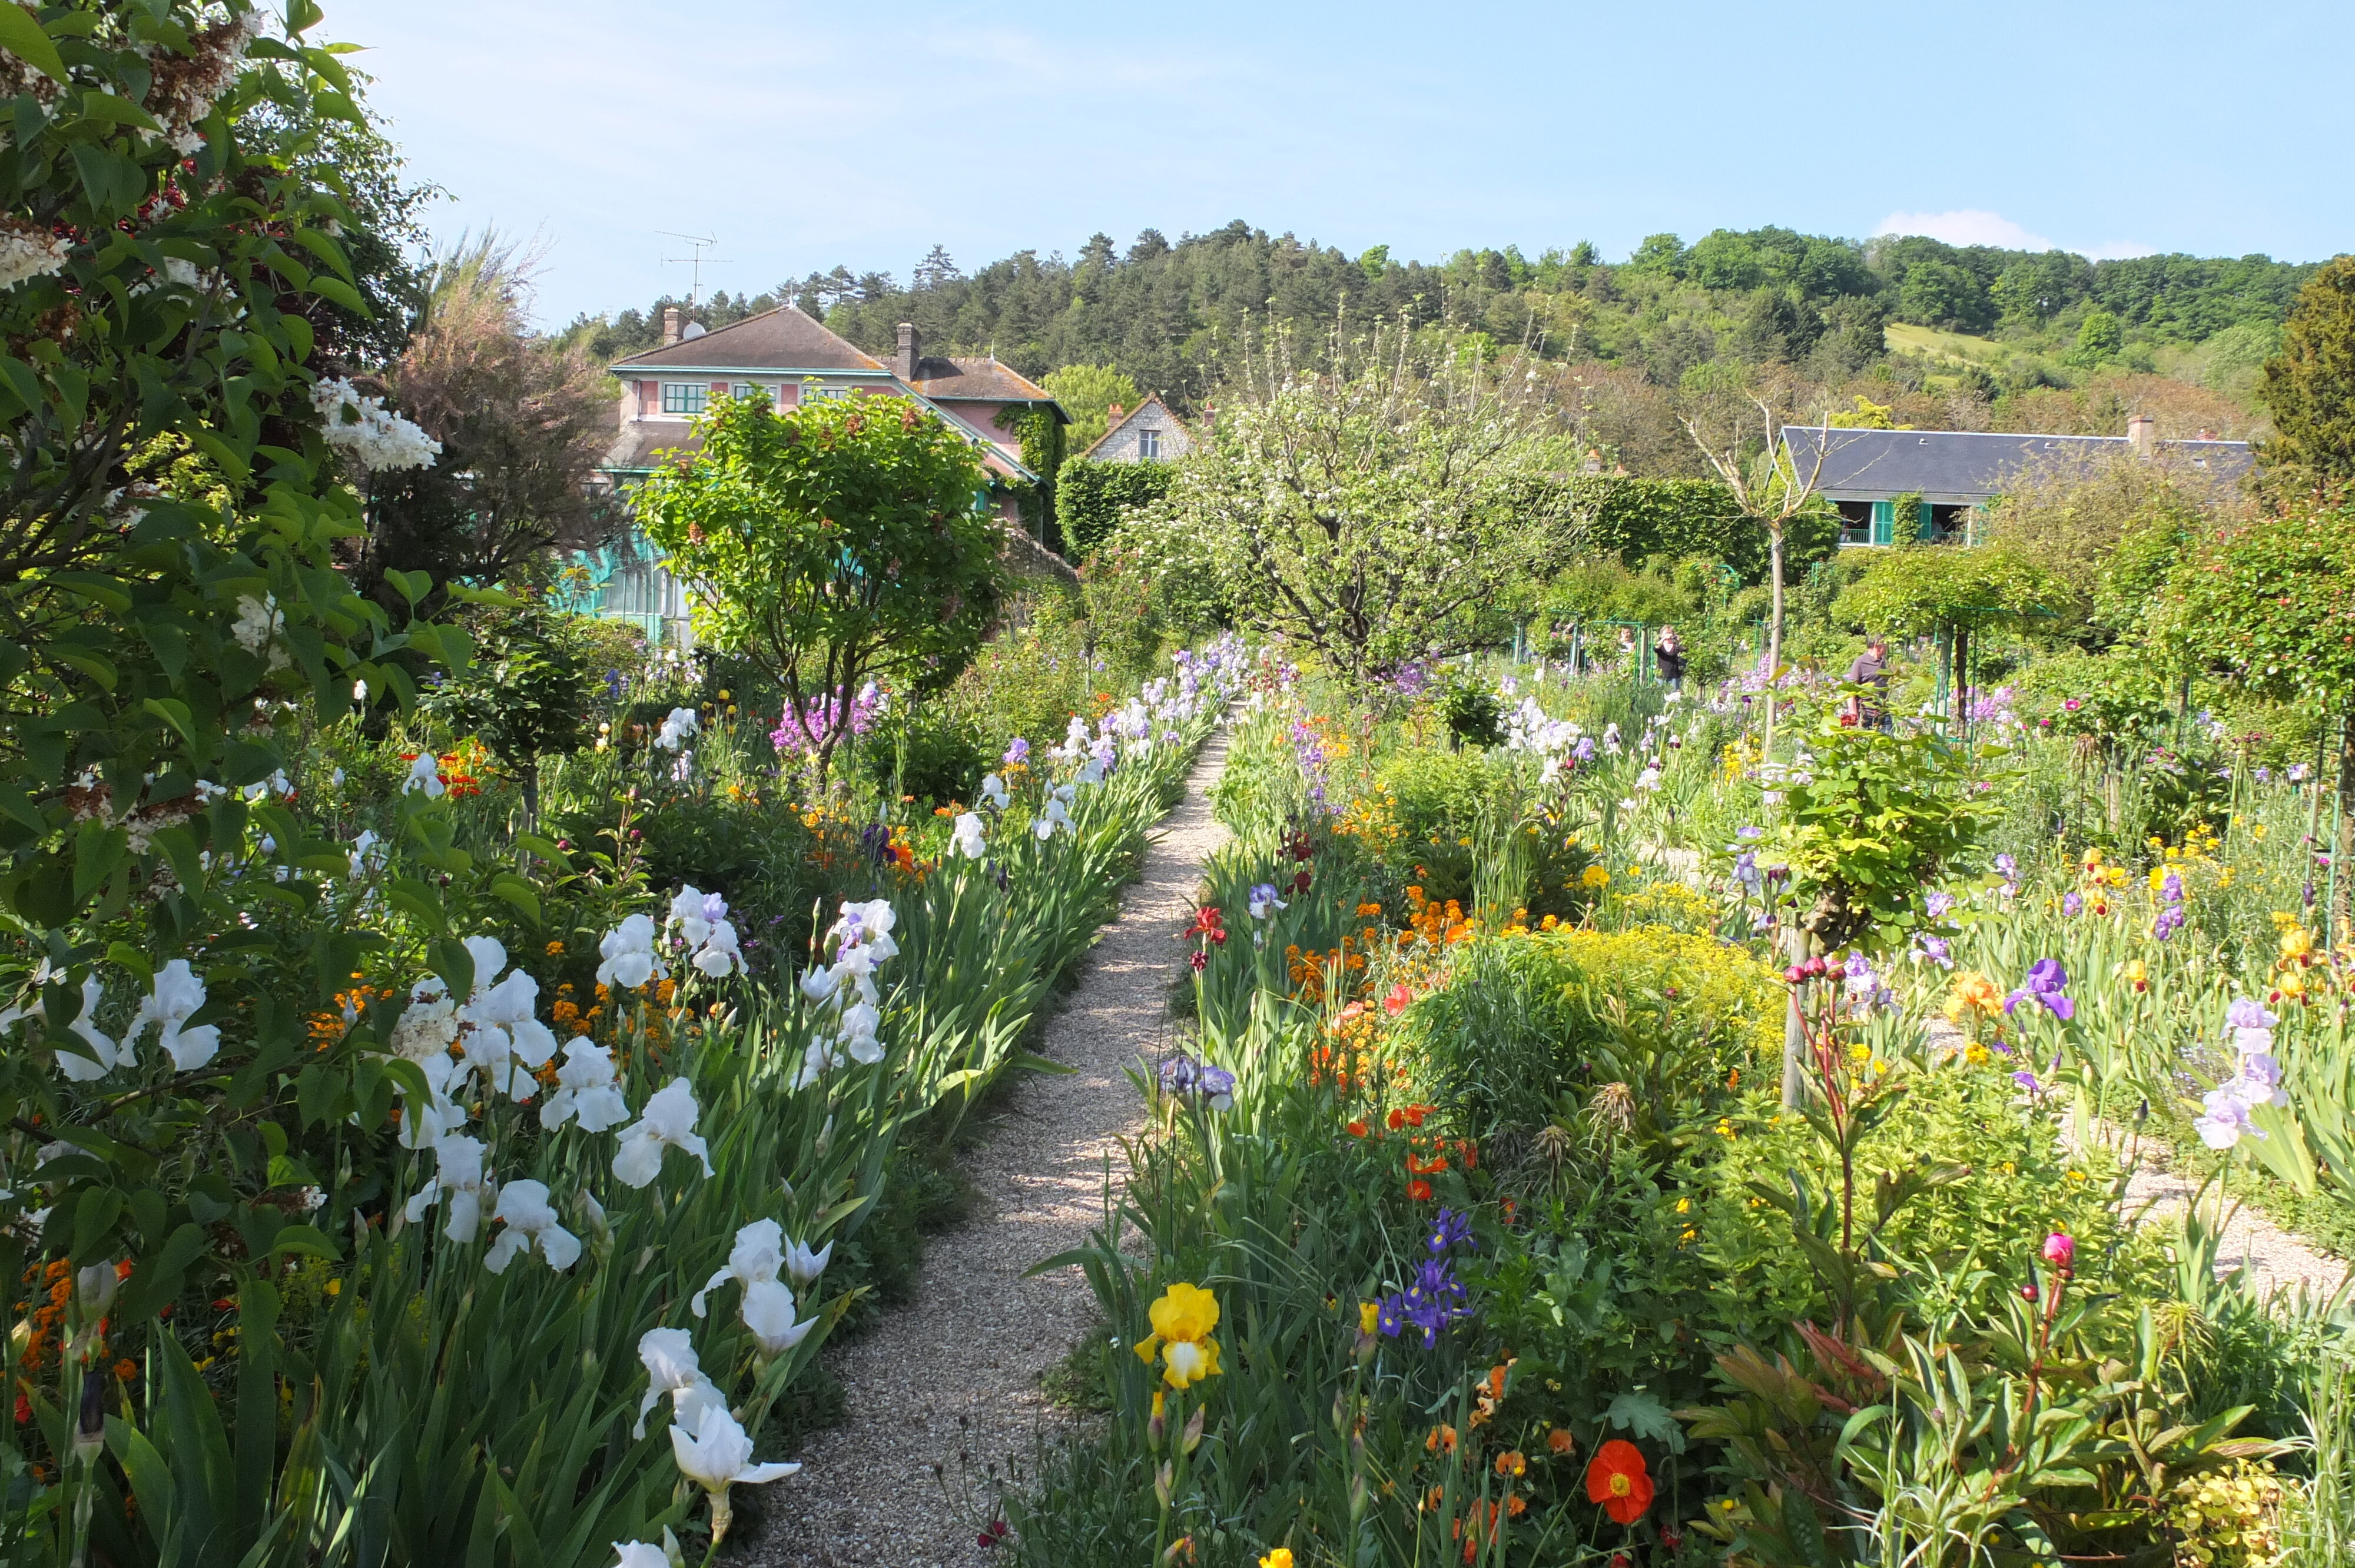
(259, 623)
(768, 1311)
(701, 921)
(457, 1185)
(967, 839)
(759, 1254)
(27, 250)
(175, 999)
(666, 1122)
(363, 429)
(993, 790)
(671, 1366)
(425, 774)
(675, 729)
(530, 1221)
(628, 950)
(586, 1091)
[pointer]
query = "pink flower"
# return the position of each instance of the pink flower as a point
(2060, 1249)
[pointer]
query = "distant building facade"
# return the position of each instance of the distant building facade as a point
(1951, 475)
(790, 360)
(1147, 433)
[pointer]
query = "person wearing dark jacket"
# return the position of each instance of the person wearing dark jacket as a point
(1870, 671)
(1669, 657)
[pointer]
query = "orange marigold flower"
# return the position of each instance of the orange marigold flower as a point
(127, 1369)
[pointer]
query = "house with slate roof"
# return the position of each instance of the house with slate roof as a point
(1147, 433)
(1953, 474)
(791, 359)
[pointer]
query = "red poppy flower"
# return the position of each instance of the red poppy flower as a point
(1356, 1129)
(1420, 1191)
(1618, 1480)
(1397, 1120)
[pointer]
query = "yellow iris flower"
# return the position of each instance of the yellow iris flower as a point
(1182, 1321)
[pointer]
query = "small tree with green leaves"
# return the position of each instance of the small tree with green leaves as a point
(2270, 606)
(1960, 592)
(837, 543)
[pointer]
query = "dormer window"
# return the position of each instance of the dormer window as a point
(1148, 443)
(684, 397)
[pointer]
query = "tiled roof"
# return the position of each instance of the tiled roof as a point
(1964, 465)
(782, 339)
(940, 379)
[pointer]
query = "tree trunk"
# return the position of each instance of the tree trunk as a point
(1795, 943)
(2342, 885)
(1773, 637)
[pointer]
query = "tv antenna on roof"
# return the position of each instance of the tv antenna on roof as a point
(702, 243)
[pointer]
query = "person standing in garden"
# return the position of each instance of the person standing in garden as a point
(1868, 708)
(1669, 655)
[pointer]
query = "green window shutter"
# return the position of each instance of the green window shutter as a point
(1926, 530)
(1884, 515)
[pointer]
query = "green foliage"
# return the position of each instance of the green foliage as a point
(1917, 589)
(1093, 500)
(1867, 826)
(1471, 710)
(834, 542)
(2309, 388)
(2271, 603)
(530, 691)
(1369, 511)
(2099, 338)
(1087, 393)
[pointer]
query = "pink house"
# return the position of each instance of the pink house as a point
(790, 358)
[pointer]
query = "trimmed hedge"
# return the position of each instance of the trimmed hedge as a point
(1091, 498)
(1637, 519)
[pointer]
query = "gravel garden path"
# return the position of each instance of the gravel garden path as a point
(949, 1385)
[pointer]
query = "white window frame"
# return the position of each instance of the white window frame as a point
(1148, 443)
(819, 392)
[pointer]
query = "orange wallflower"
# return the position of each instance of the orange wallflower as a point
(1559, 1441)
(1419, 1190)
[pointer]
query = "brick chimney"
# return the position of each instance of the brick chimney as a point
(670, 325)
(1115, 415)
(2142, 435)
(903, 364)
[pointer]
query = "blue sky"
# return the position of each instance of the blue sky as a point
(806, 136)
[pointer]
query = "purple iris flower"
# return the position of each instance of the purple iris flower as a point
(2009, 866)
(1017, 752)
(2072, 903)
(2169, 921)
(1450, 1229)
(1937, 949)
(1938, 903)
(2047, 987)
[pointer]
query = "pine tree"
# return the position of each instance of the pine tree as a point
(2309, 388)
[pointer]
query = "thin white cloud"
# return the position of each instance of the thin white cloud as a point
(1977, 225)
(1965, 226)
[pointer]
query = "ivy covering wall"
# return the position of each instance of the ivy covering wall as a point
(1091, 498)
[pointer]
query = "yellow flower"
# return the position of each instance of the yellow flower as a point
(2296, 941)
(1182, 1321)
(1973, 993)
(1594, 877)
(2158, 878)
(1370, 1314)
(1279, 1558)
